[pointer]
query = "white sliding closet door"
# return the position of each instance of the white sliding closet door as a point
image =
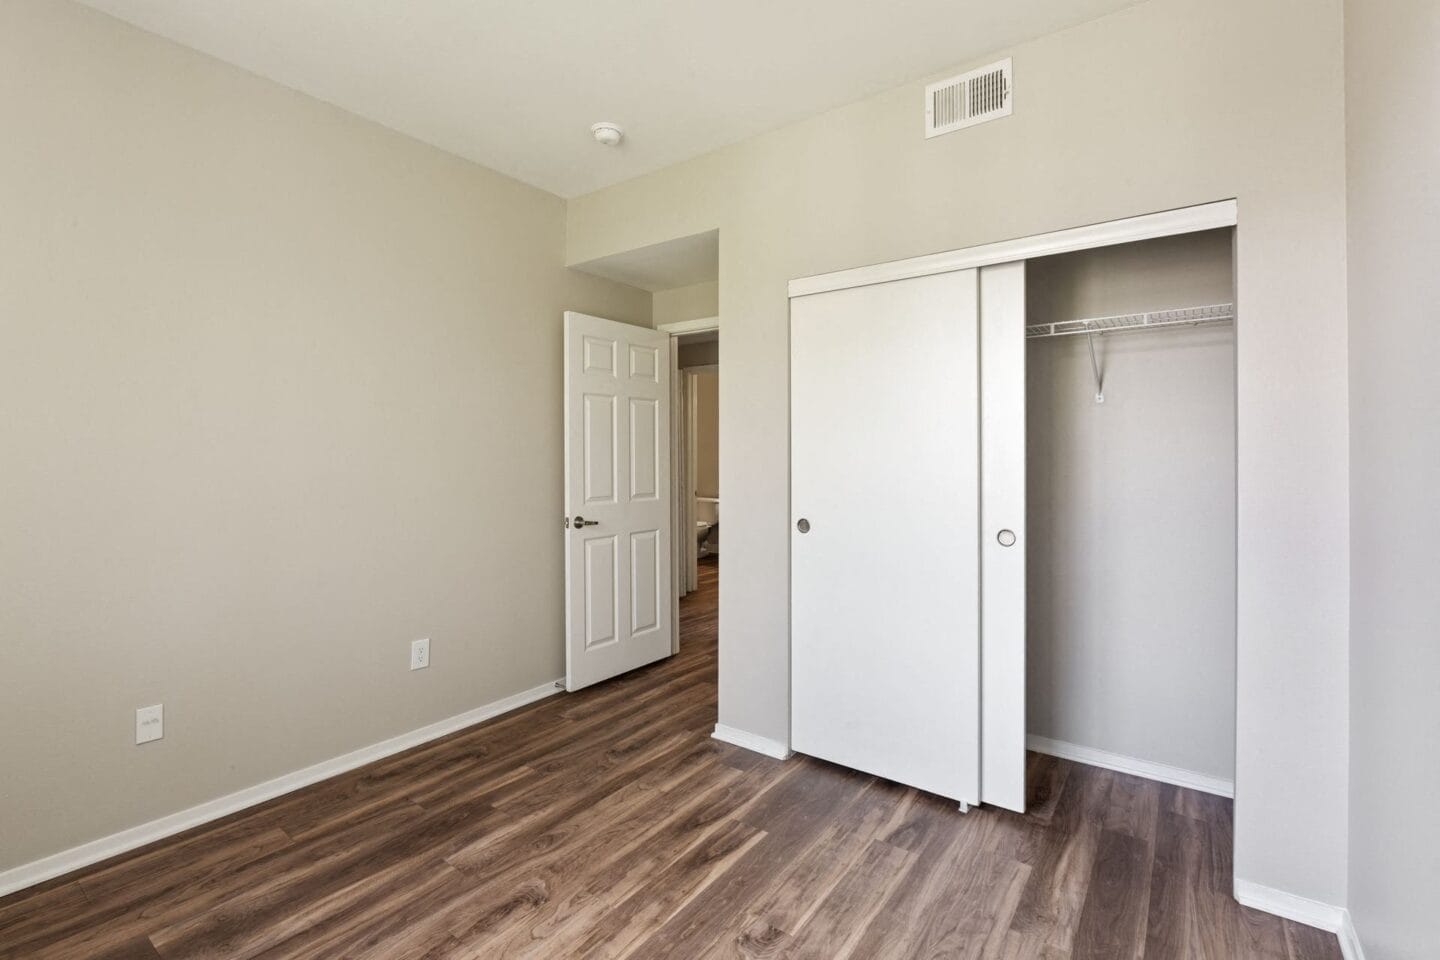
(1002, 535)
(885, 504)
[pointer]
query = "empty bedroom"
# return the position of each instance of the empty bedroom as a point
(364, 435)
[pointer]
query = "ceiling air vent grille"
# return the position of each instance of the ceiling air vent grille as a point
(971, 98)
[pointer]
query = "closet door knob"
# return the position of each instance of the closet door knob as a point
(802, 525)
(1006, 538)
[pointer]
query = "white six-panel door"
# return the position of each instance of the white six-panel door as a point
(618, 566)
(885, 606)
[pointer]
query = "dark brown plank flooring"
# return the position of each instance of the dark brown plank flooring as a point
(608, 824)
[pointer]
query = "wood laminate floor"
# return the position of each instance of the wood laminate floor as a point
(609, 824)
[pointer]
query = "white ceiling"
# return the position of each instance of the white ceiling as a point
(663, 266)
(515, 84)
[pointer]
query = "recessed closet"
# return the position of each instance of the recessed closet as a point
(1130, 450)
(1013, 509)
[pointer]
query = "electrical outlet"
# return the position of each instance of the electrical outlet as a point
(149, 723)
(420, 654)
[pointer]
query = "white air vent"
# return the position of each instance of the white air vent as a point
(971, 98)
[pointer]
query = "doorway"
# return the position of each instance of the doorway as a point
(682, 276)
(642, 506)
(695, 446)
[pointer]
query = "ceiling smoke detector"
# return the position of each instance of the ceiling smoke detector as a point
(610, 134)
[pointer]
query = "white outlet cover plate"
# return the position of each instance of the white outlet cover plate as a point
(149, 723)
(420, 654)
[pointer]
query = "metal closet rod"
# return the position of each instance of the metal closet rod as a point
(1135, 322)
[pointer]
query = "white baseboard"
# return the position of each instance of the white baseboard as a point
(1132, 765)
(1312, 913)
(59, 864)
(739, 738)
(1350, 947)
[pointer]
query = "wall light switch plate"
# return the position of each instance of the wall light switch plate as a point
(420, 654)
(149, 723)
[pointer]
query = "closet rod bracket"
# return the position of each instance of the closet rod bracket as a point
(1095, 366)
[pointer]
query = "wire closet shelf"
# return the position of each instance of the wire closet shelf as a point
(1135, 322)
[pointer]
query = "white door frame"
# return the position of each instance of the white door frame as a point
(1001, 671)
(682, 419)
(681, 327)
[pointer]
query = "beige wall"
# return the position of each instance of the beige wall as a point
(699, 301)
(1166, 104)
(1392, 54)
(281, 393)
(1131, 512)
(707, 434)
(705, 353)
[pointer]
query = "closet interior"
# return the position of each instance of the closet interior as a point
(1130, 455)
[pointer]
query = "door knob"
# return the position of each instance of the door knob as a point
(802, 525)
(582, 522)
(1006, 538)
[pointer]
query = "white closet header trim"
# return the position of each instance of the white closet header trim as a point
(1207, 216)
